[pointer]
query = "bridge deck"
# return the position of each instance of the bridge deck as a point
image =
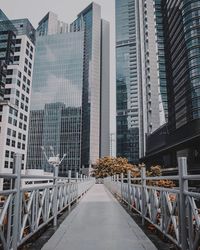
(99, 223)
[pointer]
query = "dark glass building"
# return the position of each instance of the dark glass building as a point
(181, 135)
(128, 120)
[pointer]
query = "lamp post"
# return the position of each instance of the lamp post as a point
(54, 161)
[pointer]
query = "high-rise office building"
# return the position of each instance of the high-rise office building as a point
(56, 96)
(15, 106)
(130, 106)
(181, 135)
(71, 76)
(95, 103)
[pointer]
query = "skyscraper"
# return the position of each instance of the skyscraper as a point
(56, 104)
(181, 135)
(71, 75)
(95, 121)
(15, 106)
(130, 126)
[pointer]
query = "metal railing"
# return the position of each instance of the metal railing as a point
(26, 209)
(173, 211)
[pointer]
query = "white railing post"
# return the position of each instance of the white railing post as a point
(129, 188)
(122, 182)
(16, 203)
(55, 198)
(183, 185)
(69, 183)
(143, 183)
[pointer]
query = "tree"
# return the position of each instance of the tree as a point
(109, 166)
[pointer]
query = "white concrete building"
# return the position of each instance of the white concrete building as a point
(15, 108)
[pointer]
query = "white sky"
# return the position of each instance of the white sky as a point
(67, 11)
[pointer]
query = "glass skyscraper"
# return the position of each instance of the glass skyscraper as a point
(70, 95)
(181, 135)
(95, 84)
(57, 100)
(129, 110)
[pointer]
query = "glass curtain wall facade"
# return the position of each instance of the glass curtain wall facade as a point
(57, 100)
(181, 26)
(90, 20)
(127, 61)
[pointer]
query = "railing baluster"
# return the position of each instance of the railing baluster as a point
(16, 203)
(183, 184)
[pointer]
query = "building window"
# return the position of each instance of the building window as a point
(8, 142)
(11, 164)
(9, 120)
(6, 164)
(12, 154)
(13, 143)
(14, 133)
(18, 145)
(19, 135)
(8, 131)
(9, 81)
(17, 102)
(9, 72)
(18, 41)
(18, 82)
(20, 125)
(7, 91)
(17, 49)
(7, 154)
(19, 74)
(16, 58)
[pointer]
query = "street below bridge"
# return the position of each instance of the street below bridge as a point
(99, 222)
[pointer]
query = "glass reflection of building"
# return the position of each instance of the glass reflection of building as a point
(128, 107)
(57, 99)
(70, 96)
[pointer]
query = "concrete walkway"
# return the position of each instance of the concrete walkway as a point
(99, 223)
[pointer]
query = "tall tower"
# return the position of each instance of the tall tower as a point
(15, 107)
(70, 97)
(56, 103)
(95, 103)
(130, 125)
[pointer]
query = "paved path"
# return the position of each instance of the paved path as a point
(99, 223)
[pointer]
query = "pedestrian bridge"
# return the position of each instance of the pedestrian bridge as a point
(99, 221)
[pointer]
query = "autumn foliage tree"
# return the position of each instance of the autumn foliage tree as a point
(109, 166)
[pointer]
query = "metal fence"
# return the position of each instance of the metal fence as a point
(26, 209)
(173, 211)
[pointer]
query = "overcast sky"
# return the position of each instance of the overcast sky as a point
(67, 11)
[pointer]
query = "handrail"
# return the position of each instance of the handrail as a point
(173, 211)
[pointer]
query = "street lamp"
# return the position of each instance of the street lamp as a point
(54, 161)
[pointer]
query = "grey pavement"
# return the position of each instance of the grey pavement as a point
(99, 223)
